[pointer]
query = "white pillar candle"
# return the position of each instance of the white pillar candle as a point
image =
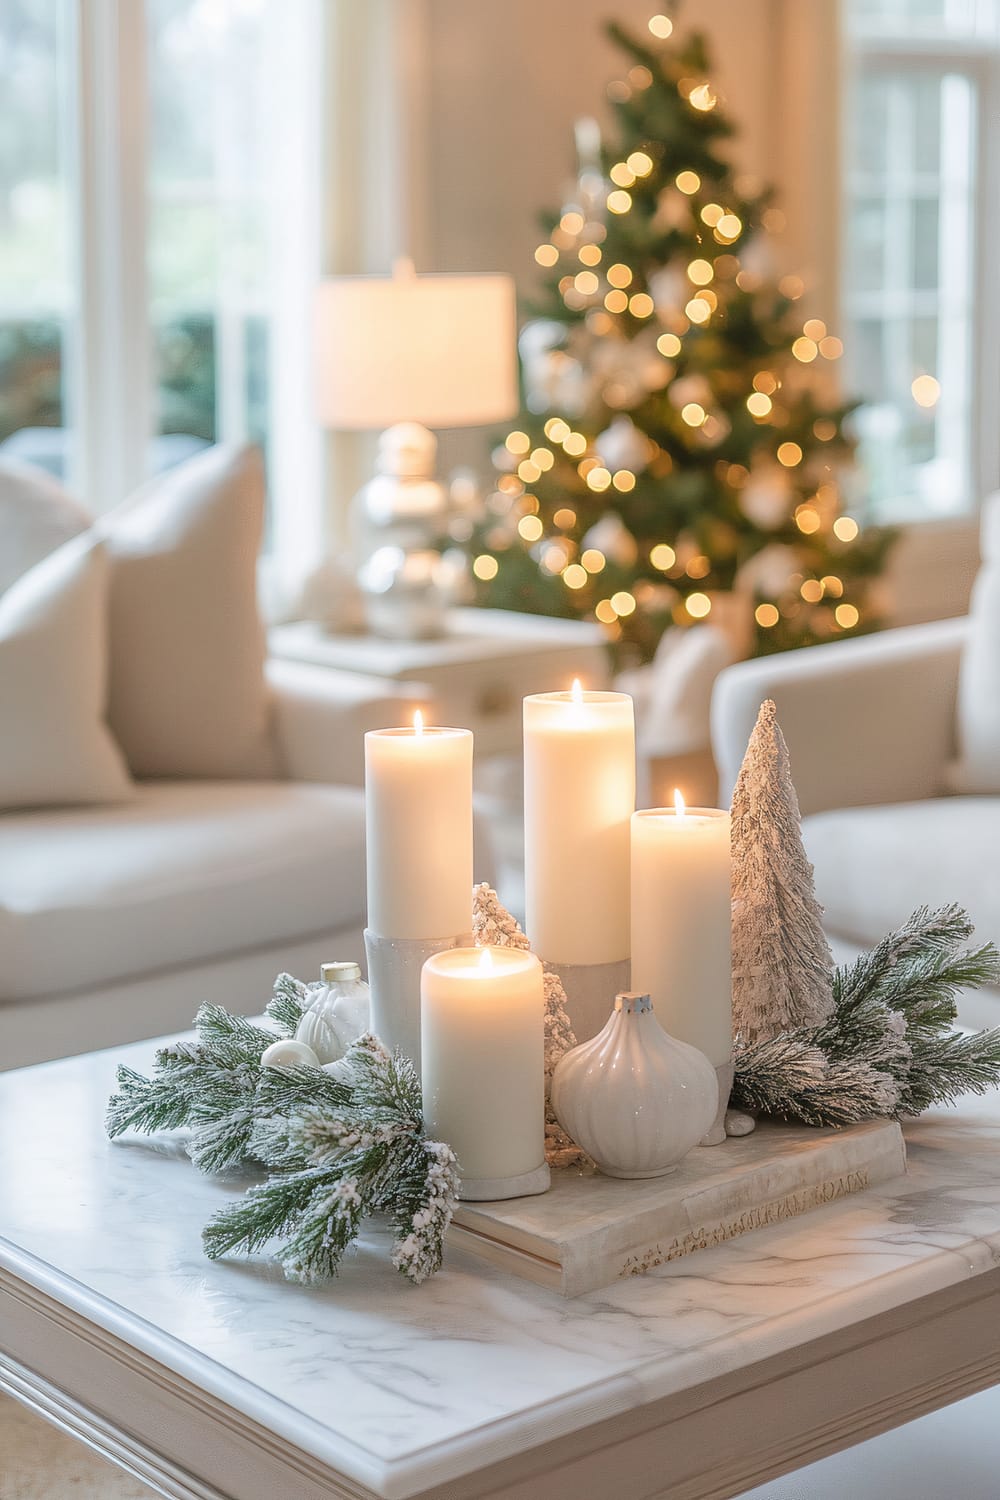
(418, 826)
(579, 794)
(482, 1048)
(681, 923)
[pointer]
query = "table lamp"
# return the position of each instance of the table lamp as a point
(405, 353)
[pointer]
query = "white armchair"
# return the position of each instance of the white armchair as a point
(870, 726)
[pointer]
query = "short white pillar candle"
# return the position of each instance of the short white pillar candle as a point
(579, 794)
(483, 1059)
(681, 923)
(418, 817)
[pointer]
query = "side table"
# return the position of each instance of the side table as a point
(476, 674)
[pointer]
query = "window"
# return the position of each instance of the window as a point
(160, 238)
(35, 290)
(919, 303)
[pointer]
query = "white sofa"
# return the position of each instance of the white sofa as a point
(117, 921)
(871, 730)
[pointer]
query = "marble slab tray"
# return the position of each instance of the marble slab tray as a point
(589, 1231)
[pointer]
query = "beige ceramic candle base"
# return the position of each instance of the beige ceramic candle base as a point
(498, 1189)
(717, 1134)
(394, 966)
(590, 993)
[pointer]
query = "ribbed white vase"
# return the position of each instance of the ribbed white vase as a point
(634, 1098)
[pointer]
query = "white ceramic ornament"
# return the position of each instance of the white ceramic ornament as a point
(634, 1098)
(289, 1054)
(337, 1012)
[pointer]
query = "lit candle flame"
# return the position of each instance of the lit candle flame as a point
(418, 722)
(680, 807)
(576, 691)
(486, 959)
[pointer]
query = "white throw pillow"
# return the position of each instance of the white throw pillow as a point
(55, 747)
(187, 689)
(36, 516)
(978, 766)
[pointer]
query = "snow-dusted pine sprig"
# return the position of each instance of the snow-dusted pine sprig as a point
(338, 1148)
(889, 1047)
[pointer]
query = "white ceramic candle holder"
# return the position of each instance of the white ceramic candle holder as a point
(394, 966)
(590, 989)
(495, 1189)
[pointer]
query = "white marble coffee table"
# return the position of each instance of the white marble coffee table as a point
(707, 1376)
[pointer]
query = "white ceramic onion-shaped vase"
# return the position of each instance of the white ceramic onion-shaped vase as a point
(634, 1098)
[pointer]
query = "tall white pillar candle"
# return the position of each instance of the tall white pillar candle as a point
(482, 1048)
(681, 923)
(418, 825)
(579, 794)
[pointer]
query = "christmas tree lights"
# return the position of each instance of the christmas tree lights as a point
(682, 437)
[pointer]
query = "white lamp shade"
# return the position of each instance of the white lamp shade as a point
(439, 350)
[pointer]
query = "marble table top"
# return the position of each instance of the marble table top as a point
(399, 1388)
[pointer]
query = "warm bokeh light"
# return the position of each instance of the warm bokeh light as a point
(530, 528)
(586, 283)
(590, 255)
(623, 481)
(528, 471)
(688, 182)
(814, 328)
(698, 310)
(758, 405)
(616, 301)
(766, 615)
(765, 381)
(729, 228)
(669, 345)
(833, 585)
(593, 560)
(846, 616)
(621, 174)
(807, 519)
(546, 255)
(811, 590)
(543, 458)
(703, 97)
(711, 214)
(575, 444)
(575, 577)
(485, 567)
(701, 272)
(640, 163)
(831, 348)
(557, 429)
(663, 557)
(605, 612)
(693, 414)
(925, 391)
(571, 222)
(564, 518)
(789, 454)
(845, 528)
(805, 350)
(619, 274)
(824, 429)
(699, 566)
(623, 603)
(619, 202)
(660, 26)
(698, 606)
(641, 305)
(598, 478)
(517, 442)
(791, 287)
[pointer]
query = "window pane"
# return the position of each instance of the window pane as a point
(208, 225)
(35, 288)
(908, 282)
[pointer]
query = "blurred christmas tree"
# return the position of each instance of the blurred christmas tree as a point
(678, 451)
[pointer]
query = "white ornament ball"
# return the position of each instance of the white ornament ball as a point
(622, 445)
(611, 536)
(289, 1054)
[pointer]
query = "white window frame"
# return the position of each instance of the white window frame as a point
(107, 365)
(979, 60)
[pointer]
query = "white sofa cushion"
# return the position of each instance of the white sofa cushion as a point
(55, 747)
(977, 768)
(188, 696)
(875, 865)
(36, 516)
(186, 872)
